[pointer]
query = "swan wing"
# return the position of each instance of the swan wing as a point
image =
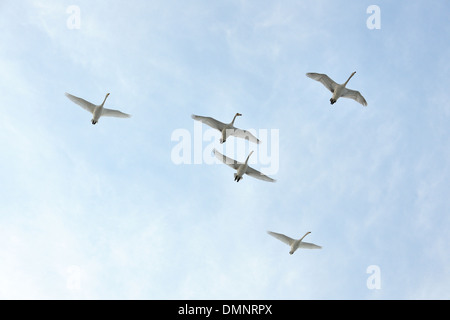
(86, 105)
(258, 175)
(355, 95)
(114, 113)
(324, 79)
(213, 123)
(244, 134)
(282, 237)
(307, 245)
(228, 161)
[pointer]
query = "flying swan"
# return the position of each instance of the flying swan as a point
(338, 90)
(293, 243)
(242, 168)
(97, 110)
(227, 129)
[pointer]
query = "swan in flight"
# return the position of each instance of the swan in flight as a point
(242, 168)
(227, 129)
(97, 110)
(293, 243)
(338, 90)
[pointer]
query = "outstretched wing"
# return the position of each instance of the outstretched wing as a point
(282, 237)
(355, 95)
(114, 113)
(324, 79)
(244, 134)
(228, 161)
(86, 105)
(307, 245)
(258, 175)
(213, 123)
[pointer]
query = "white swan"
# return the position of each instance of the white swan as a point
(242, 168)
(293, 243)
(227, 129)
(97, 110)
(338, 90)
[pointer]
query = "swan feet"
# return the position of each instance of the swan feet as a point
(332, 101)
(93, 121)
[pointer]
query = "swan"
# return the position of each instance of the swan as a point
(242, 168)
(293, 243)
(97, 110)
(338, 90)
(227, 129)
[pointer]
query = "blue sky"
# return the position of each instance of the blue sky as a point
(104, 212)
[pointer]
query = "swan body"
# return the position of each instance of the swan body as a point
(227, 130)
(294, 243)
(242, 168)
(338, 90)
(97, 110)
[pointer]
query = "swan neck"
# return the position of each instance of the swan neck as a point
(304, 236)
(246, 161)
(349, 78)
(105, 100)
(232, 122)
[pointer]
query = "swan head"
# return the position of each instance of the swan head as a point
(238, 114)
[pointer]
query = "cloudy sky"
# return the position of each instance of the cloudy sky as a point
(138, 208)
